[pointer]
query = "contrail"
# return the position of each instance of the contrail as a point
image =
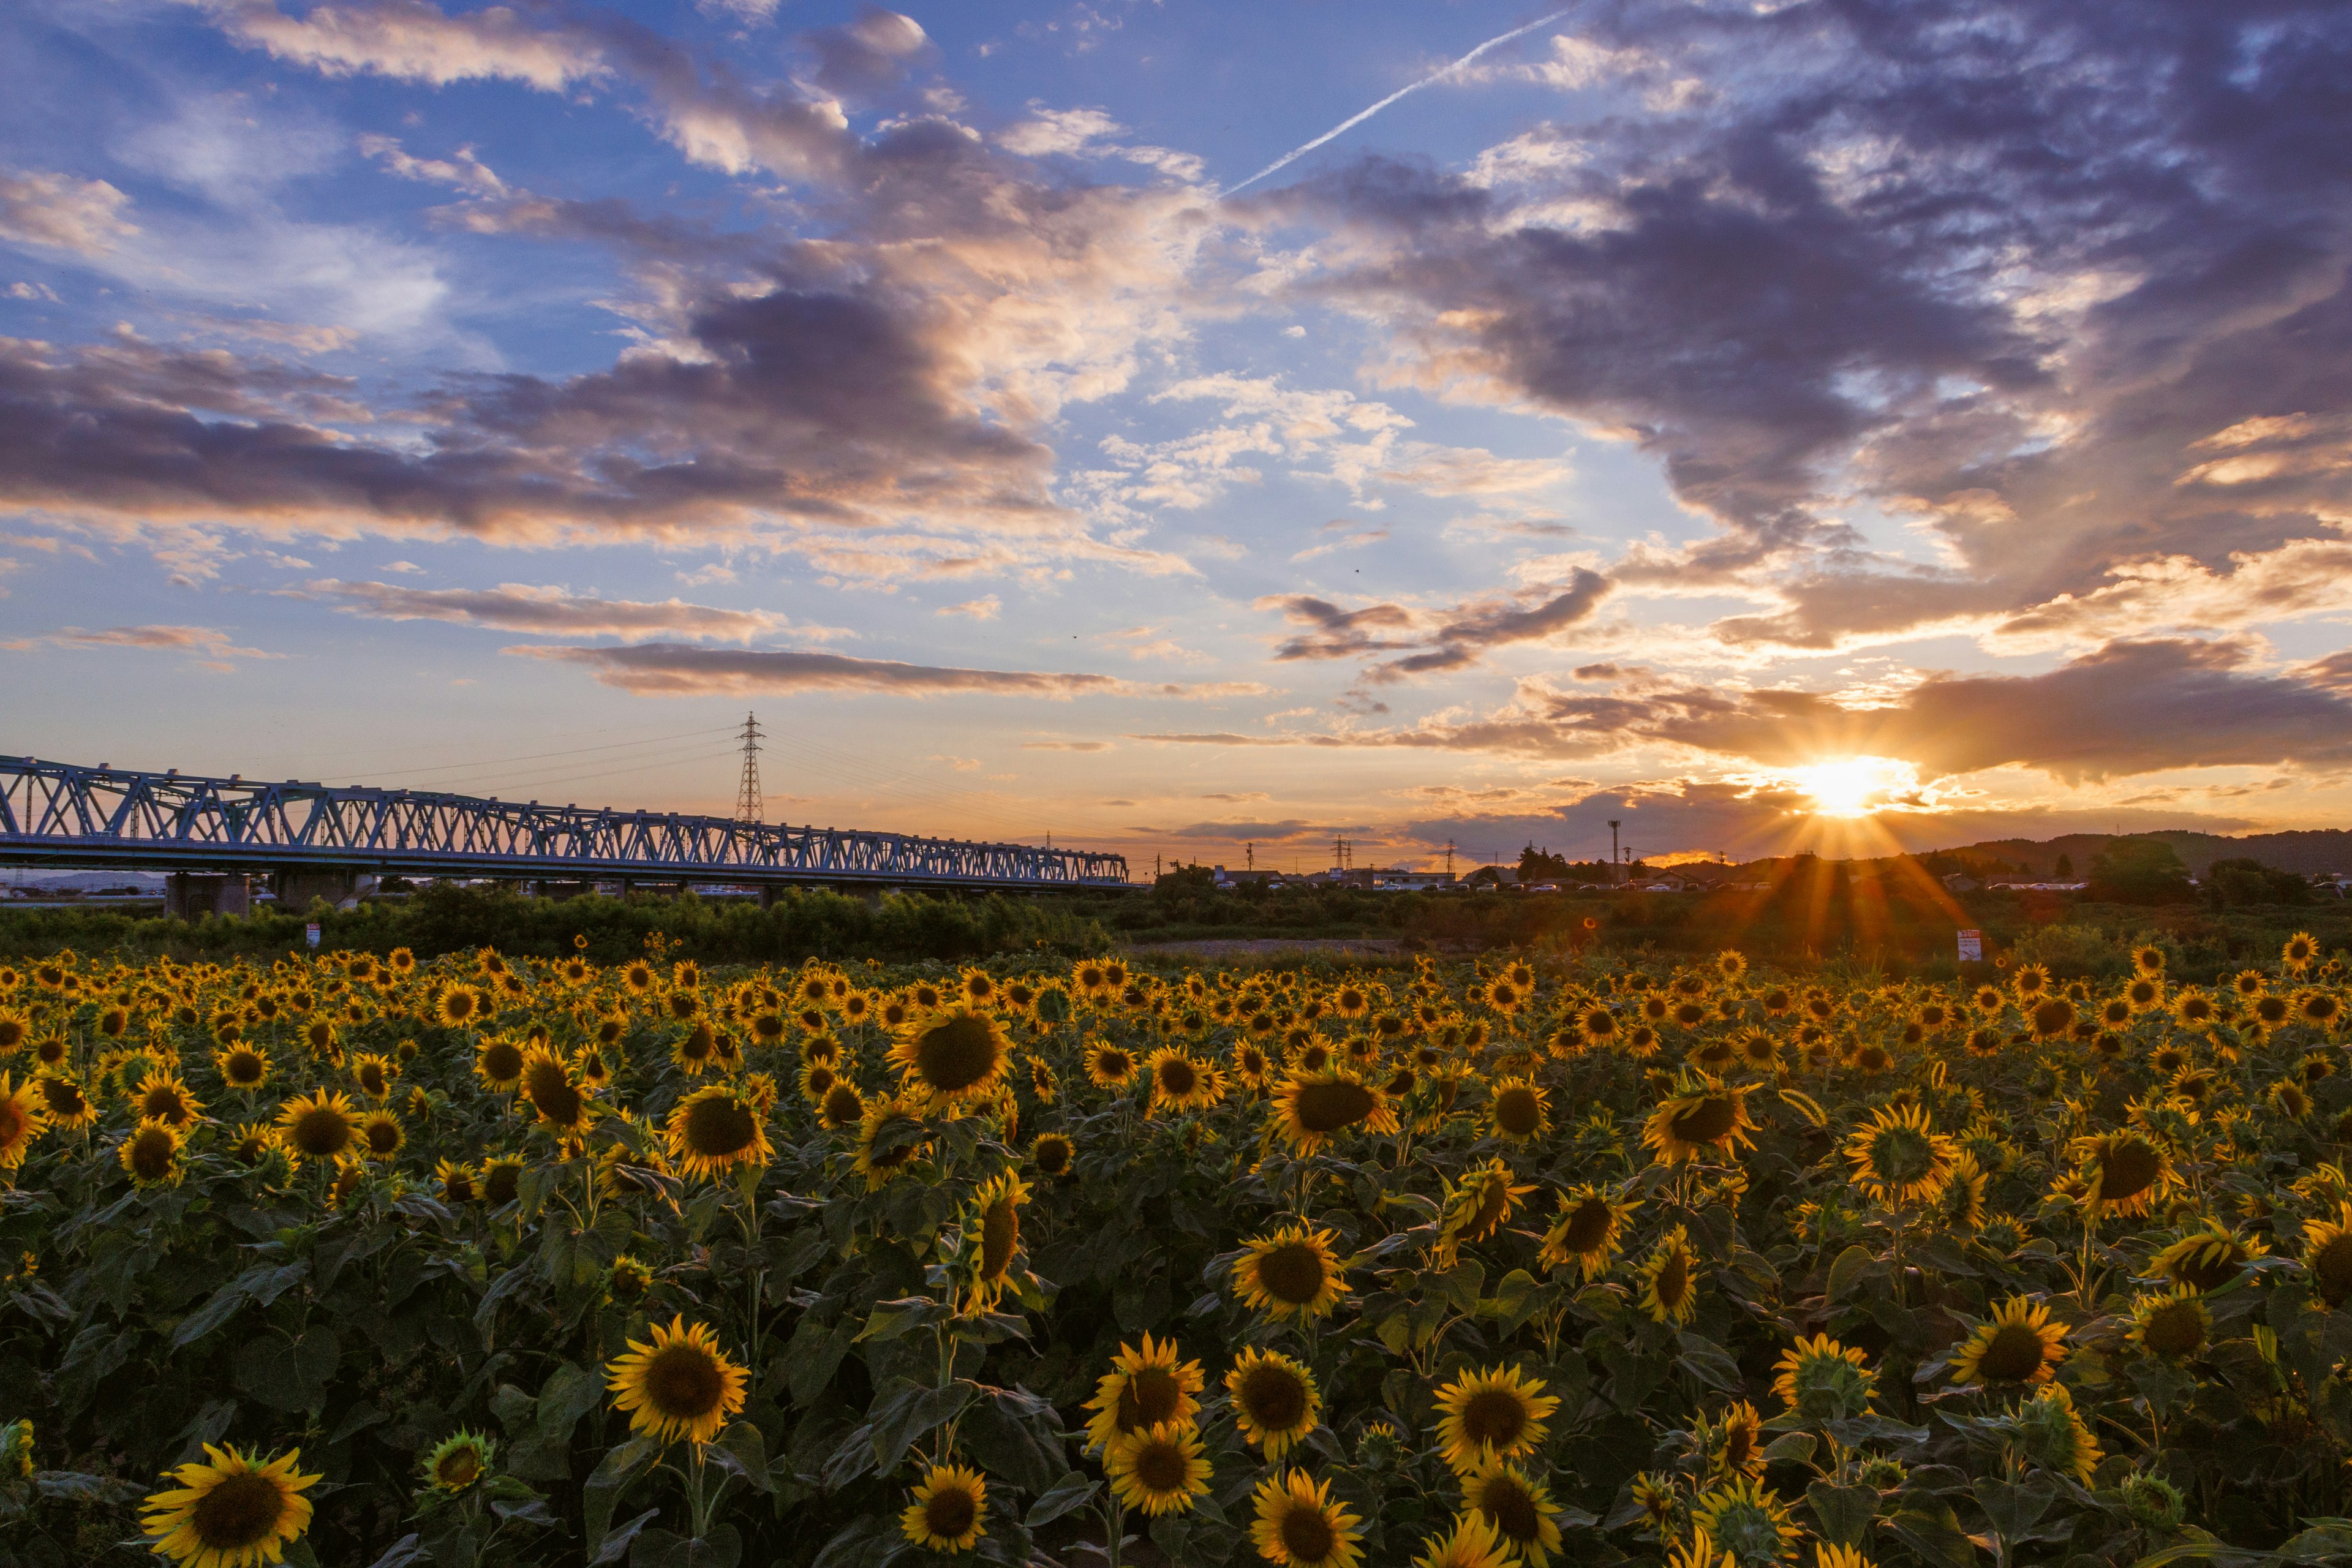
(1350, 123)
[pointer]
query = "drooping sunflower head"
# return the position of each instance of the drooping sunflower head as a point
(2050, 1434)
(1710, 1116)
(890, 1138)
(234, 1509)
(1494, 1413)
(1734, 1441)
(1589, 1231)
(1670, 1279)
(1292, 1273)
(2017, 1345)
(1821, 1380)
(2327, 1256)
(950, 1510)
(1749, 1524)
(548, 1085)
(1145, 1387)
(2207, 1258)
(714, 1129)
(23, 1117)
(1310, 1109)
(1275, 1402)
(678, 1385)
(991, 1238)
(458, 1460)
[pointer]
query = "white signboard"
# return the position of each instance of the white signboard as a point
(1971, 946)
(311, 933)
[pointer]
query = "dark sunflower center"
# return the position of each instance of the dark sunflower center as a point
(683, 1382)
(955, 1055)
(502, 1184)
(244, 1067)
(1673, 1279)
(721, 1127)
(1518, 1112)
(1291, 1273)
(321, 1131)
(2130, 1169)
(458, 1468)
(240, 1512)
(1588, 1226)
(461, 1188)
(150, 1155)
(1273, 1397)
(502, 1063)
(1493, 1206)
(948, 1514)
(1306, 1535)
(383, 1137)
(1000, 1234)
(1512, 1507)
(1160, 1466)
(1150, 1397)
(2331, 1267)
(1053, 1156)
(2174, 1328)
(1493, 1415)
(1706, 1121)
(1177, 1077)
(2014, 1353)
(555, 1095)
(64, 1098)
(840, 1105)
(1328, 1106)
(13, 1122)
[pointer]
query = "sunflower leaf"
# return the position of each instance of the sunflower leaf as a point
(1071, 1491)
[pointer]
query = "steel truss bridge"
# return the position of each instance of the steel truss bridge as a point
(59, 815)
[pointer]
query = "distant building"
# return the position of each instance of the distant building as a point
(1961, 882)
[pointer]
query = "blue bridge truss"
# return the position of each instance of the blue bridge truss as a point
(58, 814)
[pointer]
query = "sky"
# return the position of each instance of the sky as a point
(1201, 431)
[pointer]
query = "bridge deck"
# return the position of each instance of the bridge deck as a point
(60, 815)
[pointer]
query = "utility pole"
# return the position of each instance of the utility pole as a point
(1449, 859)
(1615, 855)
(1249, 852)
(747, 793)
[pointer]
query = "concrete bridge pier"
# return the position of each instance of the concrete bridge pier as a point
(187, 895)
(296, 889)
(549, 887)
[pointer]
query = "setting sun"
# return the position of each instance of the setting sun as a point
(1856, 786)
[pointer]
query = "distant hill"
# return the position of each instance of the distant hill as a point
(2319, 849)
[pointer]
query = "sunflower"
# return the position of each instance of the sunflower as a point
(1053, 1155)
(318, 1125)
(1520, 1110)
(1709, 1117)
(503, 1179)
(949, 1514)
(2122, 1172)
(1145, 1387)
(1519, 1507)
(1734, 1443)
(65, 1103)
(1589, 1232)
(1159, 1469)
(714, 1128)
(1495, 1414)
(549, 1087)
(381, 1136)
(1749, 1524)
(2300, 950)
(461, 1184)
(2172, 1323)
(842, 1107)
(1310, 1109)
(1182, 1082)
(374, 1073)
(1670, 1279)
(1898, 1161)
(458, 1006)
(1471, 1544)
(163, 1097)
(1299, 1525)
(2050, 1434)
(1821, 1380)
(242, 1065)
(23, 1118)
(679, 1386)
(498, 1064)
(991, 1233)
(2328, 1255)
(888, 1140)
(1109, 1066)
(1042, 1082)
(2207, 1258)
(2019, 1344)
(952, 1056)
(232, 1511)
(1293, 1273)
(1275, 1403)
(1475, 1208)
(458, 1460)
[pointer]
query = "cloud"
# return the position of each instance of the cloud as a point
(1450, 640)
(674, 670)
(1066, 746)
(59, 212)
(210, 648)
(462, 171)
(871, 56)
(985, 608)
(413, 41)
(543, 611)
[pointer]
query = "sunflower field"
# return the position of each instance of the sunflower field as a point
(356, 1261)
